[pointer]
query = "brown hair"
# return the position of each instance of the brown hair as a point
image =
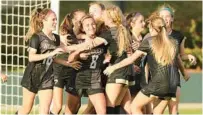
(36, 19)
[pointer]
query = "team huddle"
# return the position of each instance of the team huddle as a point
(103, 55)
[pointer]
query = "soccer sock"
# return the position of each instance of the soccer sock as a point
(110, 110)
(120, 110)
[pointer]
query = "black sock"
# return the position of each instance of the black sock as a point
(110, 110)
(16, 113)
(120, 110)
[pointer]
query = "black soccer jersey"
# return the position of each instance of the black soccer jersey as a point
(177, 35)
(160, 82)
(95, 59)
(61, 70)
(37, 74)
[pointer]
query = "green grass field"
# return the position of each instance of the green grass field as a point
(181, 111)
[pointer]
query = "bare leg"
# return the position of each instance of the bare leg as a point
(45, 98)
(99, 102)
(28, 100)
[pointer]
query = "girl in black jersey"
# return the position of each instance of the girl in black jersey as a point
(64, 73)
(38, 73)
(117, 92)
(88, 78)
(96, 10)
(118, 42)
(136, 24)
(159, 61)
(167, 13)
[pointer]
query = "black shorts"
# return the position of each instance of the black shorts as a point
(156, 88)
(37, 78)
(68, 83)
(86, 92)
(134, 89)
(89, 79)
(122, 76)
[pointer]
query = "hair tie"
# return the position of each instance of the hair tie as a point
(168, 9)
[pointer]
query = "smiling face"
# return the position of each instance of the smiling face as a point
(50, 21)
(138, 23)
(168, 18)
(89, 26)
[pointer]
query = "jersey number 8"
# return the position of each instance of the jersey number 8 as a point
(94, 61)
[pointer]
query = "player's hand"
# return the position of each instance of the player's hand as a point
(137, 68)
(58, 51)
(192, 59)
(3, 77)
(109, 70)
(135, 45)
(75, 65)
(73, 56)
(84, 56)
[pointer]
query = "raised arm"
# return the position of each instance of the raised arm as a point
(125, 62)
(86, 45)
(184, 56)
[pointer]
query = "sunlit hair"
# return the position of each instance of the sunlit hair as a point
(166, 7)
(99, 4)
(66, 26)
(123, 37)
(36, 19)
(152, 15)
(163, 48)
(131, 18)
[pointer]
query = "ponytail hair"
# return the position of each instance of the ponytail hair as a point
(66, 26)
(123, 36)
(163, 47)
(36, 19)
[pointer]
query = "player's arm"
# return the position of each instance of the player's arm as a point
(182, 69)
(33, 56)
(75, 64)
(34, 44)
(125, 62)
(184, 56)
(86, 45)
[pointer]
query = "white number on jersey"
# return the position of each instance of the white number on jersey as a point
(48, 62)
(94, 61)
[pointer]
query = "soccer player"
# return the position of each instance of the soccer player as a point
(155, 47)
(42, 48)
(65, 73)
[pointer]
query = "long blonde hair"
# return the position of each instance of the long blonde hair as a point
(36, 19)
(123, 36)
(163, 48)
